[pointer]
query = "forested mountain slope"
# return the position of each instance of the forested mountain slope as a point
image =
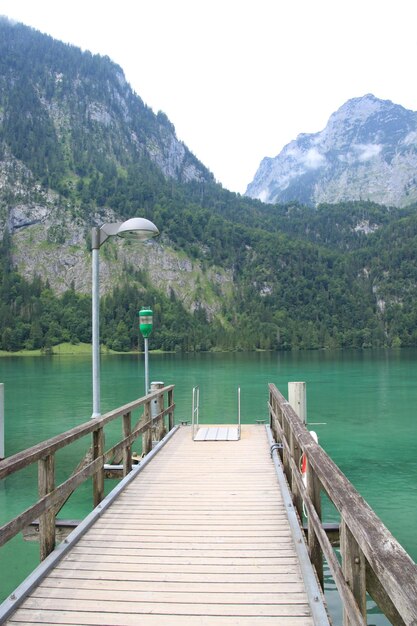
(79, 148)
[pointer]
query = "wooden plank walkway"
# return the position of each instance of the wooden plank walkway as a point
(199, 537)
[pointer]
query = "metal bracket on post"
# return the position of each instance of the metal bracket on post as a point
(276, 446)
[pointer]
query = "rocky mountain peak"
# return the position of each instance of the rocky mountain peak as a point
(367, 151)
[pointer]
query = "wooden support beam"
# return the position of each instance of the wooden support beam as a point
(63, 527)
(127, 450)
(171, 412)
(332, 531)
(98, 477)
(353, 566)
(46, 484)
(147, 435)
(379, 595)
(314, 548)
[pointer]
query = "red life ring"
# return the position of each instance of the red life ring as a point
(304, 469)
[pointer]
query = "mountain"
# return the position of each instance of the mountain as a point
(368, 151)
(79, 148)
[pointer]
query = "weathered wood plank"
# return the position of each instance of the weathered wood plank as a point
(165, 608)
(284, 560)
(176, 536)
(353, 565)
(176, 586)
(135, 572)
(46, 484)
(127, 450)
(78, 618)
(161, 566)
(98, 476)
(273, 551)
(202, 597)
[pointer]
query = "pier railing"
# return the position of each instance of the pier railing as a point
(372, 561)
(152, 426)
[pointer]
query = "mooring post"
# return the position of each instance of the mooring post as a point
(297, 400)
(2, 454)
(297, 397)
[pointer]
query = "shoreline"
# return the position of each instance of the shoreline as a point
(67, 349)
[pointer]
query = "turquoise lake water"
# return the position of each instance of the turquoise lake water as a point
(367, 399)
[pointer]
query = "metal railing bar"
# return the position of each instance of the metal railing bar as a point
(314, 593)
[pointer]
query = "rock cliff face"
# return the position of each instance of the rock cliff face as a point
(368, 151)
(69, 121)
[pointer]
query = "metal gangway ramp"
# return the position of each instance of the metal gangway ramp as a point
(202, 535)
(216, 432)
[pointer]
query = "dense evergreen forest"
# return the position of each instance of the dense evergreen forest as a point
(356, 291)
(335, 276)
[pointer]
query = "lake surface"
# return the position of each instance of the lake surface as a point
(367, 400)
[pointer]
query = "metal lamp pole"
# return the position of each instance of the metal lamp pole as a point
(137, 228)
(95, 301)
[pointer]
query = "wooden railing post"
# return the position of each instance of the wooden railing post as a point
(314, 548)
(127, 450)
(171, 420)
(46, 484)
(296, 455)
(280, 422)
(147, 435)
(354, 569)
(298, 400)
(98, 477)
(286, 452)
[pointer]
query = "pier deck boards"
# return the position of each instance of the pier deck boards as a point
(200, 537)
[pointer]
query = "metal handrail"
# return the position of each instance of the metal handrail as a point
(195, 410)
(238, 411)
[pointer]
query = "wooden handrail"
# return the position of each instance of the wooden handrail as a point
(52, 497)
(27, 457)
(372, 559)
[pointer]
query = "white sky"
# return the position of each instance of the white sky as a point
(239, 79)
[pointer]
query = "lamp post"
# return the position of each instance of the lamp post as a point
(136, 228)
(145, 326)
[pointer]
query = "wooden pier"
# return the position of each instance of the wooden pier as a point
(203, 532)
(200, 534)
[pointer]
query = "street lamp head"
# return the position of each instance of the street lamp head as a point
(138, 228)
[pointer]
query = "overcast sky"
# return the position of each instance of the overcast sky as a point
(239, 79)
